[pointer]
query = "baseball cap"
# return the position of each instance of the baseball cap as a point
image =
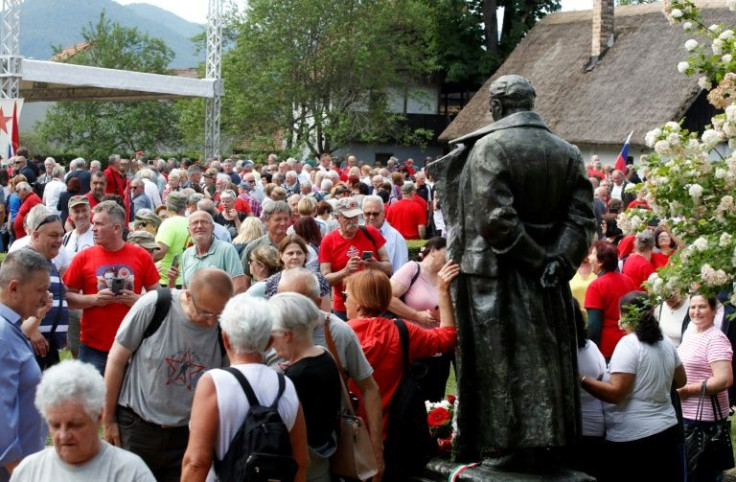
(144, 239)
(348, 207)
(148, 216)
(77, 200)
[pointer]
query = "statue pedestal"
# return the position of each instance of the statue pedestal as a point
(438, 470)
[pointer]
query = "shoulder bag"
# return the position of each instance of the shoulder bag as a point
(354, 457)
(708, 444)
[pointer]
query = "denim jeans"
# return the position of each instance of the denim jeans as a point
(96, 357)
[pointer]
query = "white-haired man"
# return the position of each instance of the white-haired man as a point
(54, 188)
(374, 214)
(29, 200)
(149, 186)
(70, 397)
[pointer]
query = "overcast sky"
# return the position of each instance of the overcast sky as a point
(196, 10)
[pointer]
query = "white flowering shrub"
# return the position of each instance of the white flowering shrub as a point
(691, 186)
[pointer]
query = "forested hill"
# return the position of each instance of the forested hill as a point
(47, 23)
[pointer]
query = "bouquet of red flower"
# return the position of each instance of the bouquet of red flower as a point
(440, 419)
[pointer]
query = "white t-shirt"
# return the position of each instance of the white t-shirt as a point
(648, 409)
(591, 364)
(670, 321)
(111, 464)
(77, 242)
(233, 406)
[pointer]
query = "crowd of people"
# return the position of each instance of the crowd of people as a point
(644, 369)
(160, 272)
(156, 274)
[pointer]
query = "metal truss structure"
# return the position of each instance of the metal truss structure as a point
(37, 80)
(10, 50)
(213, 71)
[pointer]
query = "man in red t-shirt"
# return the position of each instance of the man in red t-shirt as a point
(105, 280)
(349, 249)
(407, 215)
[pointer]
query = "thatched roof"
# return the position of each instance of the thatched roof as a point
(635, 87)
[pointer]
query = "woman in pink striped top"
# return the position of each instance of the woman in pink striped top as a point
(706, 354)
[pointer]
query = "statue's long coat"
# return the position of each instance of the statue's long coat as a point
(515, 197)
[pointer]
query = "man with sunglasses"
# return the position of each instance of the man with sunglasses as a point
(151, 379)
(374, 214)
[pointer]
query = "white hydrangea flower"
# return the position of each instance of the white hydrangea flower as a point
(720, 173)
(691, 45)
(682, 67)
(716, 46)
(726, 35)
(725, 240)
(673, 126)
(662, 147)
(704, 83)
(731, 110)
(651, 137)
(727, 58)
(714, 29)
(711, 138)
(729, 128)
(676, 13)
(695, 191)
(688, 26)
(700, 244)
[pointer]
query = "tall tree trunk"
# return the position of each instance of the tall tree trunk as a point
(491, 27)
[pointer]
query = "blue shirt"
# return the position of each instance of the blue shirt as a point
(22, 430)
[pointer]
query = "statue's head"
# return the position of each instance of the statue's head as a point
(510, 94)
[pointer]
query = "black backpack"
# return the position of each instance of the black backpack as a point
(261, 448)
(409, 445)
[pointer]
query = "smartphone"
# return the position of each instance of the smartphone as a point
(175, 261)
(117, 286)
(366, 255)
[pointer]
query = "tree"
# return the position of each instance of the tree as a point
(690, 178)
(519, 16)
(101, 128)
(321, 72)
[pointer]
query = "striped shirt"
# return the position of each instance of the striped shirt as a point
(697, 352)
(59, 309)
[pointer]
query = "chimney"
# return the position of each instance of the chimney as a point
(602, 28)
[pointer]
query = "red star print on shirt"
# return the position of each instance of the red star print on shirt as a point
(183, 370)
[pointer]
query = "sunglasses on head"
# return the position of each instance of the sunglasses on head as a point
(51, 218)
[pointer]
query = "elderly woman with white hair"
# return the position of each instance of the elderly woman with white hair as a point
(314, 373)
(70, 397)
(220, 404)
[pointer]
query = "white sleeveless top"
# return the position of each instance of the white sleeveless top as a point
(233, 405)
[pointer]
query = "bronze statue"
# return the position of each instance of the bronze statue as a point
(519, 214)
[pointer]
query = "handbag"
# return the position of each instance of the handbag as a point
(354, 457)
(708, 444)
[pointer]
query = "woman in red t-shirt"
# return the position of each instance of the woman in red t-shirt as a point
(667, 246)
(367, 296)
(602, 297)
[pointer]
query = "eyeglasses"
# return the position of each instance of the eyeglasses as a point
(142, 224)
(202, 315)
(369, 214)
(51, 218)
